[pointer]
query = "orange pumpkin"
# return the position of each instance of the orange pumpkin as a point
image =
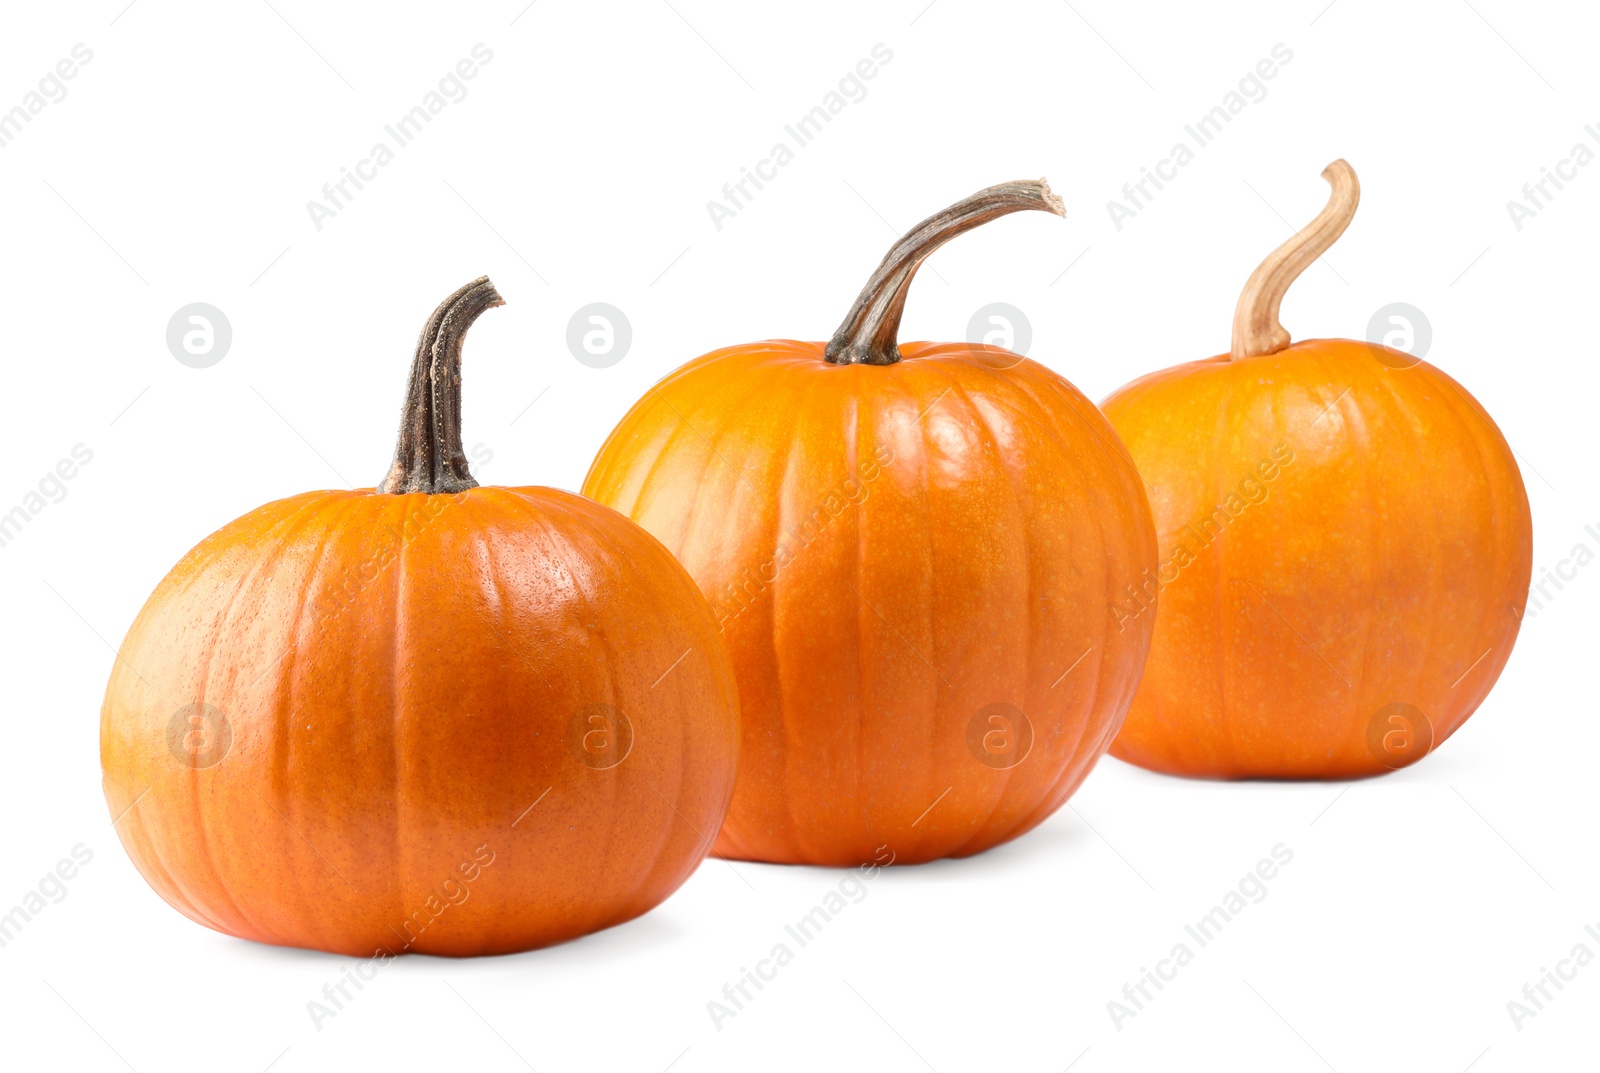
(429, 717)
(911, 551)
(1345, 547)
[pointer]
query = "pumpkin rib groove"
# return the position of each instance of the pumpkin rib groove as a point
(1420, 690)
(1406, 417)
(271, 560)
(1114, 455)
(990, 443)
(852, 453)
(334, 519)
(171, 890)
(394, 880)
(266, 557)
(939, 591)
(656, 869)
(199, 908)
(729, 842)
(647, 482)
(1117, 460)
(701, 481)
(1078, 761)
(398, 868)
(540, 539)
(785, 461)
(735, 844)
(1071, 779)
(649, 875)
(925, 513)
(1221, 632)
(553, 548)
(353, 507)
(151, 857)
(561, 549)
(827, 390)
(663, 873)
(857, 569)
(1103, 543)
(191, 781)
(1455, 401)
(898, 397)
(1376, 538)
(1455, 404)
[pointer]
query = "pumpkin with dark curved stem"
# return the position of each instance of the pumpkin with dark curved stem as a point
(1345, 546)
(912, 551)
(429, 717)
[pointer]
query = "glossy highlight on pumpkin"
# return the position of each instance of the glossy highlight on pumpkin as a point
(468, 722)
(912, 551)
(1345, 548)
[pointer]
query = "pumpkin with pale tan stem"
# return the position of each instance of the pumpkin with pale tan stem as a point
(912, 551)
(430, 717)
(1345, 546)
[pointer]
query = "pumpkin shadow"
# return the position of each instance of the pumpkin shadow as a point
(290, 957)
(1428, 768)
(1057, 838)
(653, 930)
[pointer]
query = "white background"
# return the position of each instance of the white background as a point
(577, 170)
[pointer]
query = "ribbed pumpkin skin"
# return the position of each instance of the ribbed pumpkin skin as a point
(396, 709)
(1388, 563)
(953, 529)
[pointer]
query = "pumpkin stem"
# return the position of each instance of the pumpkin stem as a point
(869, 333)
(428, 455)
(1255, 320)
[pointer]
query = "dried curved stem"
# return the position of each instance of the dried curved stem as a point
(1255, 320)
(428, 455)
(870, 332)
